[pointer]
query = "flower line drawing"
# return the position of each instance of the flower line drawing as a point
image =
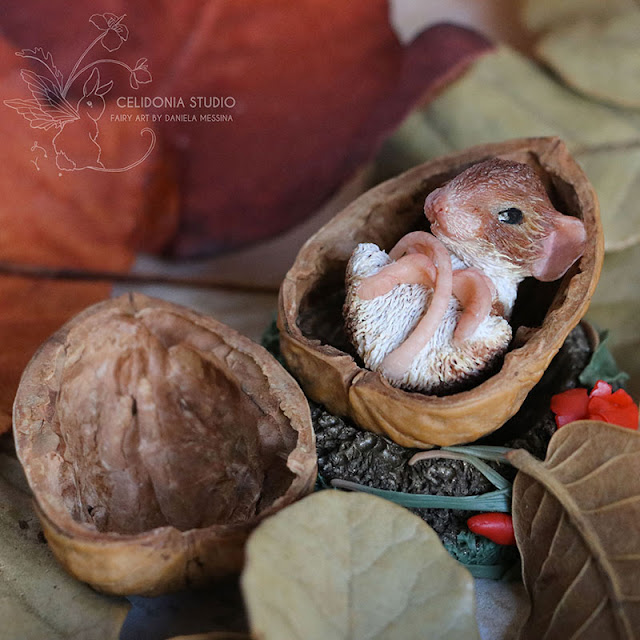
(76, 144)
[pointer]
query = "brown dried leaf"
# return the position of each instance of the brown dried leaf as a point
(576, 517)
(353, 566)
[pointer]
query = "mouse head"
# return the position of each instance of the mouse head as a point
(92, 103)
(497, 217)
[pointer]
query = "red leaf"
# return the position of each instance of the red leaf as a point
(317, 83)
(570, 405)
(617, 408)
(602, 389)
(601, 404)
(81, 219)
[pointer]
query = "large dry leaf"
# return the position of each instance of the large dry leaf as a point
(37, 598)
(316, 84)
(616, 306)
(81, 219)
(600, 58)
(506, 96)
(353, 566)
(577, 516)
(549, 14)
(215, 635)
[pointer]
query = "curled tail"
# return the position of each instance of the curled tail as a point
(152, 144)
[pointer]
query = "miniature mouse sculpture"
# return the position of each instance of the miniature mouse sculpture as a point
(432, 315)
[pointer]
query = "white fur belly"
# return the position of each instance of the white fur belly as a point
(376, 327)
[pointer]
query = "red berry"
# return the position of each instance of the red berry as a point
(498, 527)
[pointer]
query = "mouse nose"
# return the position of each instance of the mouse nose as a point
(435, 206)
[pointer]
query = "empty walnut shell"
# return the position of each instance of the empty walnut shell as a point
(314, 343)
(154, 440)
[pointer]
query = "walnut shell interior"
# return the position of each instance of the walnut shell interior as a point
(146, 427)
(314, 343)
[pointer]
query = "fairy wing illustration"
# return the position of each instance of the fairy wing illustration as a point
(49, 107)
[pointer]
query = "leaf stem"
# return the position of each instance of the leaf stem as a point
(491, 501)
(490, 474)
(88, 275)
(104, 60)
(486, 452)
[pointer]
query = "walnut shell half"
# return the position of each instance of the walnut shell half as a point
(314, 343)
(154, 440)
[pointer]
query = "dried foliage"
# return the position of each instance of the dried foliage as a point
(79, 220)
(576, 517)
(37, 598)
(594, 46)
(316, 84)
(600, 58)
(350, 567)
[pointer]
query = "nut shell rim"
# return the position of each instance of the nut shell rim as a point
(168, 556)
(351, 390)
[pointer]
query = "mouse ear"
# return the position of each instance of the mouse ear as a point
(560, 248)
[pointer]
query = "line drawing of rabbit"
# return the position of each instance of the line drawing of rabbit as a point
(76, 144)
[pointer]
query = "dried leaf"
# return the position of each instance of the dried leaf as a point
(74, 219)
(616, 306)
(316, 84)
(215, 635)
(352, 566)
(37, 598)
(506, 96)
(603, 366)
(600, 58)
(548, 14)
(576, 517)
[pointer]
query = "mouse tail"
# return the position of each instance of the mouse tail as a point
(151, 147)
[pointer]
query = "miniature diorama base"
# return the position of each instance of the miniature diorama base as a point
(350, 457)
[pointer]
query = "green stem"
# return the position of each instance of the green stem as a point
(492, 501)
(460, 453)
(486, 452)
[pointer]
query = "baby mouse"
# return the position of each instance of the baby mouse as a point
(432, 315)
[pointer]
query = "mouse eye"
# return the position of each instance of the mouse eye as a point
(511, 216)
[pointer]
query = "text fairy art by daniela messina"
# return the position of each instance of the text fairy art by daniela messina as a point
(76, 144)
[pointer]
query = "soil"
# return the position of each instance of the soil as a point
(347, 452)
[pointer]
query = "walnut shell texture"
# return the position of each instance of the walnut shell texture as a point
(313, 339)
(154, 440)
